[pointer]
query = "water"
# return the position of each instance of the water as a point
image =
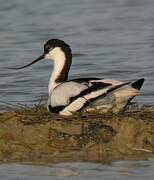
(140, 170)
(109, 38)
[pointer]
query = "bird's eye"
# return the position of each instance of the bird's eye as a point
(48, 48)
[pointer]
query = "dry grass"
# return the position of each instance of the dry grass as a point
(39, 114)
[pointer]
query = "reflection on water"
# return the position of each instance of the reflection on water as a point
(139, 170)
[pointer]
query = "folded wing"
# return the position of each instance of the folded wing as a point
(73, 95)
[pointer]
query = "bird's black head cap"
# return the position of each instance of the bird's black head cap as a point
(52, 43)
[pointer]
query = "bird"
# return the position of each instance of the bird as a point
(85, 94)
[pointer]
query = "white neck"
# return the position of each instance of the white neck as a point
(59, 61)
(58, 66)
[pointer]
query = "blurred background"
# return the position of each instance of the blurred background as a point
(109, 39)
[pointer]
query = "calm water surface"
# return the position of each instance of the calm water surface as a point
(122, 170)
(109, 38)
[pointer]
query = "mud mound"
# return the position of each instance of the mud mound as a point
(34, 135)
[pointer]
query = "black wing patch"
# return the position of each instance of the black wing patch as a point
(87, 103)
(95, 86)
(55, 109)
(116, 87)
(80, 80)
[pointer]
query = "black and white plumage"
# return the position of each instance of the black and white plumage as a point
(69, 96)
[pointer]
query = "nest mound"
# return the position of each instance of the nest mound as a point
(34, 135)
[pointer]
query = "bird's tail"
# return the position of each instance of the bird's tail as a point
(138, 84)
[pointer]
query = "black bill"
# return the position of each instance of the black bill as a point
(33, 62)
